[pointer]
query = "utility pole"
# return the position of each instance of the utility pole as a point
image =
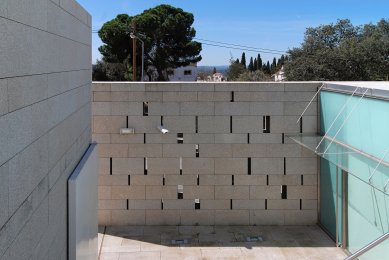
(134, 52)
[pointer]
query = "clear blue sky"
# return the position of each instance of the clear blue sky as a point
(264, 24)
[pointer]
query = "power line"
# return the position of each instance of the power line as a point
(235, 46)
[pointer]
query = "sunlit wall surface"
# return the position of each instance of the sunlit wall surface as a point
(363, 124)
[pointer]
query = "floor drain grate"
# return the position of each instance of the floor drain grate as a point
(254, 239)
(180, 241)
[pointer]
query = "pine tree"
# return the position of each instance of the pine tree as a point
(273, 66)
(268, 67)
(243, 60)
(251, 65)
(255, 64)
(259, 62)
(237, 61)
(214, 71)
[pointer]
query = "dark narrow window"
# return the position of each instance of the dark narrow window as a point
(180, 138)
(301, 204)
(230, 203)
(267, 180)
(197, 204)
(232, 180)
(129, 180)
(283, 138)
(145, 108)
(197, 151)
(163, 180)
(198, 180)
(302, 179)
(145, 165)
(284, 166)
(180, 165)
(180, 192)
(197, 124)
(232, 96)
(127, 204)
(248, 138)
(266, 124)
(127, 122)
(144, 138)
(230, 124)
(284, 192)
(249, 166)
(161, 204)
(110, 166)
(265, 203)
(301, 125)
(161, 120)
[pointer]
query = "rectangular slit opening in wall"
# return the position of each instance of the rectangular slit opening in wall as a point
(232, 96)
(230, 124)
(145, 108)
(180, 138)
(283, 138)
(249, 166)
(232, 180)
(284, 166)
(180, 192)
(161, 204)
(163, 180)
(129, 180)
(248, 138)
(145, 165)
(230, 203)
(110, 166)
(284, 192)
(127, 122)
(180, 165)
(302, 179)
(127, 204)
(267, 180)
(265, 203)
(301, 125)
(162, 120)
(266, 124)
(301, 204)
(197, 151)
(197, 204)
(144, 138)
(197, 124)
(198, 180)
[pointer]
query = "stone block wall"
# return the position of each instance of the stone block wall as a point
(226, 149)
(45, 80)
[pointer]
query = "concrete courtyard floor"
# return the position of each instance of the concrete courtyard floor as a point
(216, 242)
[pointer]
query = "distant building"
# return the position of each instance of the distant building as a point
(279, 75)
(218, 77)
(187, 73)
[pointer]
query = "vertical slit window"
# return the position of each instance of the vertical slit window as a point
(129, 180)
(198, 180)
(163, 180)
(230, 124)
(180, 192)
(145, 108)
(267, 180)
(162, 120)
(302, 179)
(284, 192)
(230, 203)
(249, 166)
(197, 204)
(145, 165)
(110, 166)
(127, 122)
(180, 165)
(144, 138)
(248, 138)
(283, 138)
(197, 124)
(284, 166)
(127, 204)
(266, 124)
(232, 180)
(301, 204)
(180, 138)
(161, 204)
(265, 203)
(232, 96)
(197, 151)
(301, 125)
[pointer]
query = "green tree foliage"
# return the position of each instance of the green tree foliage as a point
(243, 60)
(259, 62)
(251, 65)
(235, 70)
(167, 33)
(273, 66)
(252, 76)
(104, 71)
(341, 51)
(214, 70)
(255, 64)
